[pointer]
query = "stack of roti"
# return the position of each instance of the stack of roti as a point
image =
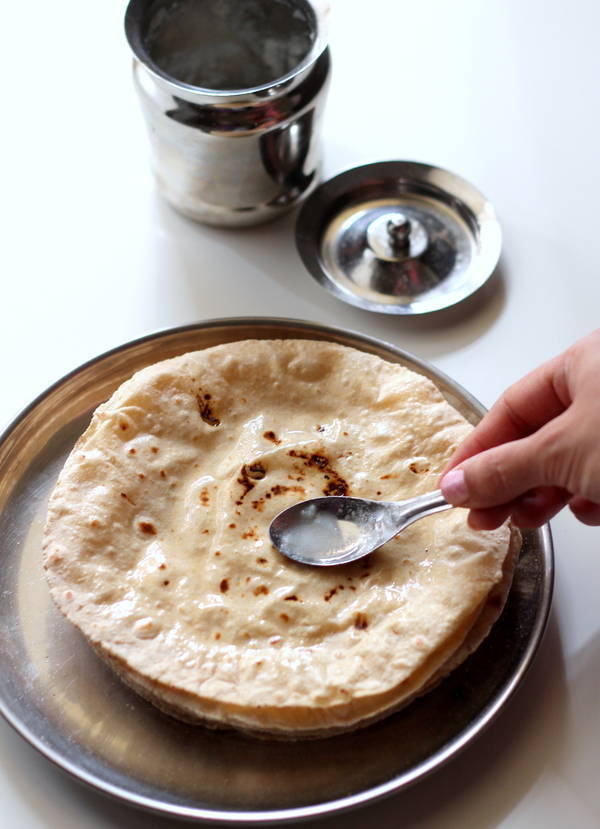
(156, 544)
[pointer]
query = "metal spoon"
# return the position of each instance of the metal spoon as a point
(339, 529)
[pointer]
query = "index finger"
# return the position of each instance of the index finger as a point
(527, 405)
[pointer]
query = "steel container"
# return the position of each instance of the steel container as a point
(236, 156)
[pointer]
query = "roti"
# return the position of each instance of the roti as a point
(156, 544)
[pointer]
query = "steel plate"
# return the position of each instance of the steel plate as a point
(68, 705)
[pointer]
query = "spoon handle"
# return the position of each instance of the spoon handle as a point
(423, 505)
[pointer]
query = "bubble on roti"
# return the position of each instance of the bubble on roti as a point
(156, 544)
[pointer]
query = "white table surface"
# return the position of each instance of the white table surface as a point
(503, 92)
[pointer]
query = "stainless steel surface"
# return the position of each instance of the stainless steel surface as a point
(232, 157)
(399, 237)
(399, 231)
(67, 704)
(338, 529)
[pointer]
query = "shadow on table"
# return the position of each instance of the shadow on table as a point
(261, 250)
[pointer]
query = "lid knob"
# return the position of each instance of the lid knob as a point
(399, 228)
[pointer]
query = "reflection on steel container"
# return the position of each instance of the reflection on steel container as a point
(232, 94)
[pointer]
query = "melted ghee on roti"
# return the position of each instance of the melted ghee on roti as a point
(157, 548)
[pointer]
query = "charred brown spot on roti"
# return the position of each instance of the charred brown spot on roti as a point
(162, 566)
(284, 617)
(204, 497)
(270, 435)
(154, 449)
(166, 582)
(127, 498)
(361, 621)
(246, 482)
(162, 473)
(418, 467)
(261, 560)
(124, 425)
(224, 585)
(232, 526)
(281, 489)
(251, 533)
(256, 471)
(339, 487)
(293, 598)
(330, 594)
(147, 527)
(131, 451)
(336, 485)
(261, 589)
(205, 409)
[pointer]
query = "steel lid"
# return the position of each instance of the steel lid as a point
(399, 237)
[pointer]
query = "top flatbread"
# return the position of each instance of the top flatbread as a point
(156, 544)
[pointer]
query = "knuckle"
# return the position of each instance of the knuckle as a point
(569, 457)
(509, 405)
(492, 484)
(557, 459)
(499, 475)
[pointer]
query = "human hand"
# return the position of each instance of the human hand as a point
(537, 449)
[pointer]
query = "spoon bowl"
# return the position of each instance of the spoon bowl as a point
(339, 529)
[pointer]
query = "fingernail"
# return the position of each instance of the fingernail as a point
(454, 488)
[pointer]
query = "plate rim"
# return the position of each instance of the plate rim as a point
(367, 796)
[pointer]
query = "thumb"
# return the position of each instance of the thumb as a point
(503, 473)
